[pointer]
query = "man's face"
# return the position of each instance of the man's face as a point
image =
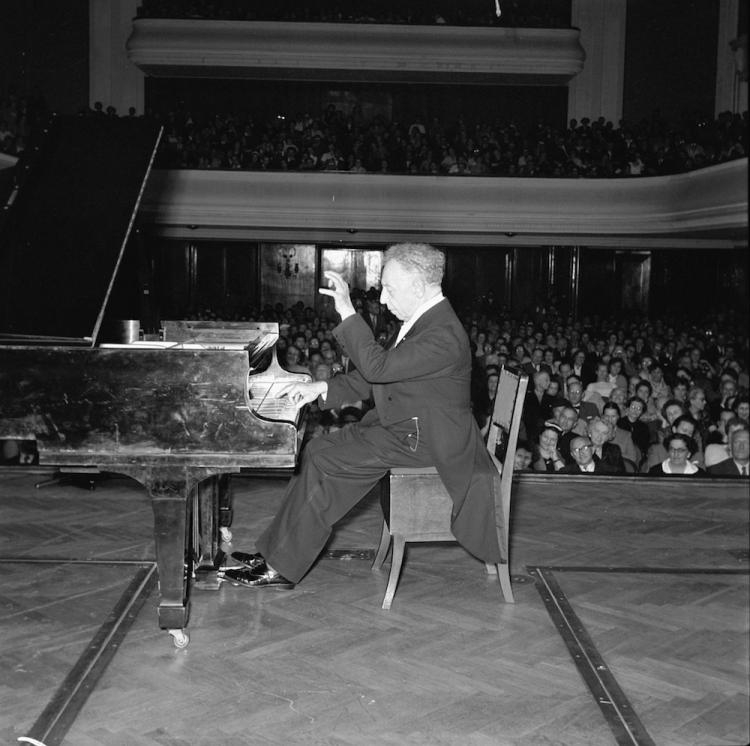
(686, 428)
(575, 393)
(728, 388)
(739, 446)
(673, 411)
(582, 451)
(568, 419)
(399, 291)
(541, 380)
(599, 433)
(698, 401)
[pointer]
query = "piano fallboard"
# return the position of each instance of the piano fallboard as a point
(104, 407)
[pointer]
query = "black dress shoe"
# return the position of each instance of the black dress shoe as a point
(245, 559)
(260, 577)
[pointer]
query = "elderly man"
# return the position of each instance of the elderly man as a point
(582, 450)
(600, 434)
(422, 417)
(738, 463)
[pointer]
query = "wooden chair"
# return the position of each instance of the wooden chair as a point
(417, 507)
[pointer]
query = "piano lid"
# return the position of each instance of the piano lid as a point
(64, 229)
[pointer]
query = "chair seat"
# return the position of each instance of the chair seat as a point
(418, 508)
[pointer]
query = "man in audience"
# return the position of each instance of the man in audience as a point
(600, 434)
(582, 451)
(738, 463)
(537, 406)
(585, 409)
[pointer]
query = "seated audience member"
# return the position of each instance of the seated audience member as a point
(582, 451)
(717, 452)
(697, 410)
(632, 422)
(293, 359)
(536, 363)
(660, 390)
(554, 389)
(582, 367)
(570, 426)
(679, 450)
(616, 374)
(537, 406)
(725, 397)
(719, 437)
(683, 425)
(546, 456)
(522, 460)
(584, 409)
(602, 386)
(620, 437)
(670, 411)
(619, 397)
(741, 407)
(600, 433)
(738, 463)
(680, 389)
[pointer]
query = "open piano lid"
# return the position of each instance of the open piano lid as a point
(65, 227)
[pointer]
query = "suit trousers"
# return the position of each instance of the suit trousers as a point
(337, 470)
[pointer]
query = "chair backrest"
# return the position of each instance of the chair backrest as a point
(505, 421)
(502, 436)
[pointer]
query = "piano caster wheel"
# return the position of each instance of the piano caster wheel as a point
(226, 535)
(180, 638)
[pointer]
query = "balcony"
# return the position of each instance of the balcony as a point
(705, 208)
(355, 52)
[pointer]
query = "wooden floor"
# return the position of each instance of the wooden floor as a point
(626, 630)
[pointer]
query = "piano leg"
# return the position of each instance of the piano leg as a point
(179, 497)
(209, 512)
(170, 500)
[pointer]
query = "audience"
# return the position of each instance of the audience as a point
(307, 344)
(334, 140)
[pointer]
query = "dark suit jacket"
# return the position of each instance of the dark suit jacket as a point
(427, 376)
(599, 468)
(612, 458)
(535, 413)
(586, 410)
(529, 370)
(726, 468)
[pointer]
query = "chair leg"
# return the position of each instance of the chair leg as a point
(383, 547)
(397, 559)
(503, 573)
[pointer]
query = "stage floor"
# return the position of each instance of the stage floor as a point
(624, 631)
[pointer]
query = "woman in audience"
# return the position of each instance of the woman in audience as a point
(632, 422)
(546, 455)
(679, 449)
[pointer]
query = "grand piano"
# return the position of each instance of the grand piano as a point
(179, 411)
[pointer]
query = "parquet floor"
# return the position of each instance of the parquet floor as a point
(613, 612)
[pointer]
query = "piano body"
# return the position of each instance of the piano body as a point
(177, 414)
